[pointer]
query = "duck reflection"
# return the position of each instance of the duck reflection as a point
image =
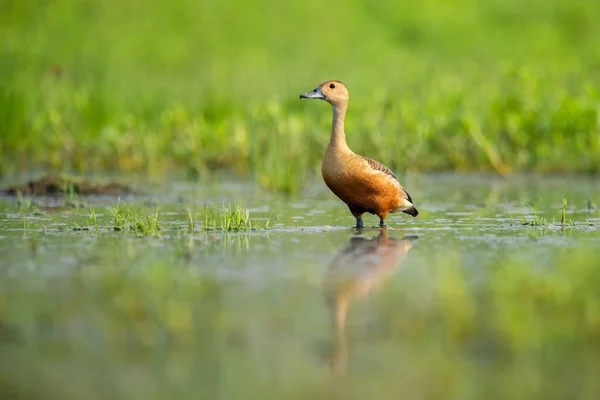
(358, 270)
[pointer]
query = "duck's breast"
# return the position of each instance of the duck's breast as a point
(358, 185)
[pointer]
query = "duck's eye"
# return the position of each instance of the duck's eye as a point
(332, 86)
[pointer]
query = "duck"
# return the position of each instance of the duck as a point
(364, 184)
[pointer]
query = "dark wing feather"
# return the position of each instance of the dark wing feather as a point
(379, 167)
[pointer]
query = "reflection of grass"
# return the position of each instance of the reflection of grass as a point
(526, 307)
(188, 91)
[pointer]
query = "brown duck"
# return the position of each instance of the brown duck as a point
(365, 185)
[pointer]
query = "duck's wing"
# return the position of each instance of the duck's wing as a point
(376, 165)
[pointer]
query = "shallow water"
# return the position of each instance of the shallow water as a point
(465, 301)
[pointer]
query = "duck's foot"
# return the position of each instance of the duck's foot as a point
(359, 222)
(381, 223)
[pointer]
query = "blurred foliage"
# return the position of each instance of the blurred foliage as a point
(156, 86)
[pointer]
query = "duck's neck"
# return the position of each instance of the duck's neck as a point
(338, 137)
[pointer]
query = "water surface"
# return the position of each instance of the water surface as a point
(465, 301)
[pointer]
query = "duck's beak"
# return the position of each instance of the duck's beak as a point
(313, 94)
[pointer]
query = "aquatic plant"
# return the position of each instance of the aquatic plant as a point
(210, 219)
(230, 218)
(564, 219)
(132, 218)
(234, 218)
(72, 197)
(535, 219)
(93, 218)
(26, 205)
(90, 222)
(126, 219)
(191, 224)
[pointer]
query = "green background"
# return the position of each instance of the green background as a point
(156, 87)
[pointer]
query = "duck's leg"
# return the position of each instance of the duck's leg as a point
(359, 222)
(357, 212)
(382, 219)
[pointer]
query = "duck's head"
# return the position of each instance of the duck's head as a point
(333, 92)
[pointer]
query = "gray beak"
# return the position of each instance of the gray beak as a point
(313, 94)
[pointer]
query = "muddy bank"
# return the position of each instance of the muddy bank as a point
(50, 185)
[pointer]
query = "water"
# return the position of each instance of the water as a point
(463, 302)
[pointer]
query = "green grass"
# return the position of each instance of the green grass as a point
(564, 218)
(536, 218)
(125, 218)
(198, 86)
(229, 218)
(138, 220)
(27, 205)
